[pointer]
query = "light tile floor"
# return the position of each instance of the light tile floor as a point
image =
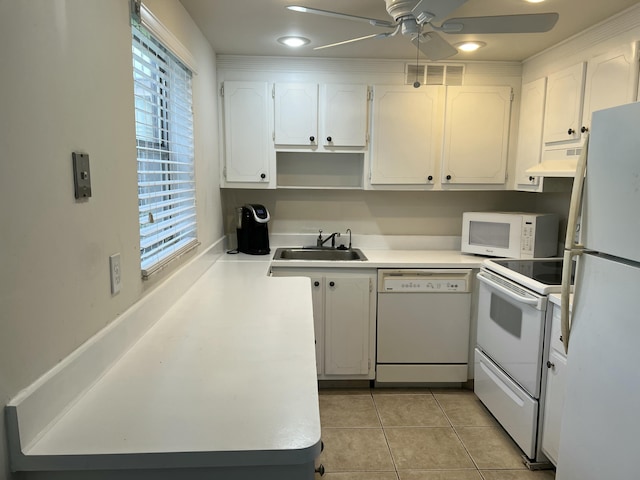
(415, 434)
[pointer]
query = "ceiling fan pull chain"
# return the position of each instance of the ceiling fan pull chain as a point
(416, 84)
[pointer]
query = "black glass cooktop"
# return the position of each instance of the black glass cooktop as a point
(547, 271)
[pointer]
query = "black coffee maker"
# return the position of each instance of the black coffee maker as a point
(253, 234)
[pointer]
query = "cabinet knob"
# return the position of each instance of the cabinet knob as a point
(328, 139)
(448, 177)
(312, 138)
(320, 470)
(550, 365)
(332, 284)
(584, 129)
(263, 176)
(316, 284)
(531, 179)
(430, 177)
(571, 131)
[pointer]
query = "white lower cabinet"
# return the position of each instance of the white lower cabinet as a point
(344, 320)
(555, 389)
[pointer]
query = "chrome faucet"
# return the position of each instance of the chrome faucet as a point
(321, 241)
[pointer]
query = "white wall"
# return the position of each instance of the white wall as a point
(67, 86)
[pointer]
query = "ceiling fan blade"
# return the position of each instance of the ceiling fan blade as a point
(433, 46)
(528, 23)
(372, 21)
(426, 10)
(344, 42)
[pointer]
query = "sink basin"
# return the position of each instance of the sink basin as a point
(331, 254)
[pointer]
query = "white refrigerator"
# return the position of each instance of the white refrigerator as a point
(600, 431)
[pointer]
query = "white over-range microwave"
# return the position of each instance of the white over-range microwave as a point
(510, 234)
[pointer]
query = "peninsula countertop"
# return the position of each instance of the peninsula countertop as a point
(226, 377)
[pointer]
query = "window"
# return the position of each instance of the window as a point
(164, 140)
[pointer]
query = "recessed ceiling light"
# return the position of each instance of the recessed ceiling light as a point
(469, 46)
(534, 1)
(293, 41)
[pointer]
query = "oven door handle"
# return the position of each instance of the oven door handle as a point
(507, 291)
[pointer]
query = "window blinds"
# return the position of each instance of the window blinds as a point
(164, 140)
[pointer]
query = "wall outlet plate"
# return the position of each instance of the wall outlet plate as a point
(81, 175)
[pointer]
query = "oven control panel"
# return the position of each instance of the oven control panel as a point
(418, 281)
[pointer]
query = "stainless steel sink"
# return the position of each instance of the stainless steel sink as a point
(331, 254)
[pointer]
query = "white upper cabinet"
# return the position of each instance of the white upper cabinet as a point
(339, 109)
(248, 150)
(296, 113)
(563, 107)
(406, 134)
(343, 110)
(612, 80)
(530, 130)
(476, 135)
(573, 94)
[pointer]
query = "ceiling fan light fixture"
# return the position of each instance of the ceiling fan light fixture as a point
(294, 42)
(470, 46)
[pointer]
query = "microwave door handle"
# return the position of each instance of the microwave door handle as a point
(510, 293)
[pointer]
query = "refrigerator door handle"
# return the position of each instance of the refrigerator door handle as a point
(571, 248)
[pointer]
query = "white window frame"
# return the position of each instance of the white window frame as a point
(165, 152)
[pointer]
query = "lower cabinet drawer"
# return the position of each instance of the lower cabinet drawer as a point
(516, 411)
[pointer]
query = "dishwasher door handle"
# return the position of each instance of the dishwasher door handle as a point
(508, 292)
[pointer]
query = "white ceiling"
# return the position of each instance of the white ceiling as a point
(251, 27)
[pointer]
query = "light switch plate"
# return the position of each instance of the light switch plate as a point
(81, 175)
(116, 273)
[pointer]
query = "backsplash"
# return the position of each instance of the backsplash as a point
(384, 212)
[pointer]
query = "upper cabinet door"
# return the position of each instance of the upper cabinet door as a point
(476, 135)
(530, 130)
(247, 132)
(296, 114)
(563, 108)
(612, 80)
(407, 133)
(344, 114)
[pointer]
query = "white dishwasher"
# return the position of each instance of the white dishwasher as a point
(423, 325)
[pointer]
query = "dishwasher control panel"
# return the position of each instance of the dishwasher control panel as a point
(418, 281)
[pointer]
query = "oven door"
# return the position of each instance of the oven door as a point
(511, 323)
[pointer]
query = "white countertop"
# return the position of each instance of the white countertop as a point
(226, 377)
(393, 259)
(230, 368)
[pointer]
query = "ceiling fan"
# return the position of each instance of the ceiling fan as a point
(414, 18)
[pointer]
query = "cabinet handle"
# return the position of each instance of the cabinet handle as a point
(316, 284)
(430, 177)
(584, 129)
(332, 284)
(263, 176)
(448, 177)
(571, 131)
(550, 365)
(312, 138)
(328, 139)
(561, 338)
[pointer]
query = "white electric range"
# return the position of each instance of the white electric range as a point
(512, 323)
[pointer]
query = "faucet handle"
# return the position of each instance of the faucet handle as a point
(319, 233)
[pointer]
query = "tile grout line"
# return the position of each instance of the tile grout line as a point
(459, 439)
(384, 433)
